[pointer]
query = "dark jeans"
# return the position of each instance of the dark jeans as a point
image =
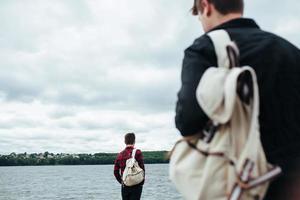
(132, 193)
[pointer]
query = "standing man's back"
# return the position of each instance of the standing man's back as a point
(129, 192)
(277, 65)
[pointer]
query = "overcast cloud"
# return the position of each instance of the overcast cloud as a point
(77, 75)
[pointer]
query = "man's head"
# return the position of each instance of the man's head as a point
(129, 139)
(214, 12)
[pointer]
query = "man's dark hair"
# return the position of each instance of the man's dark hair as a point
(222, 6)
(129, 138)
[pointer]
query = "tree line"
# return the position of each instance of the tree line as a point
(46, 158)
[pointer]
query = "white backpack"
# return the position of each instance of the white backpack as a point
(227, 162)
(132, 174)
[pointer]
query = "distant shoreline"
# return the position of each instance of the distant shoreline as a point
(51, 159)
(165, 163)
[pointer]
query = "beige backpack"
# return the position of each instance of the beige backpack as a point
(133, 174)
(228, 161)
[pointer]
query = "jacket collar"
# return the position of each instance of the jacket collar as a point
(237, 23)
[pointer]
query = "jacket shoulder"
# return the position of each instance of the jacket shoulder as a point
(279, 41)
(138, 151)
(201, 52)
(121, 154)
(201, 43)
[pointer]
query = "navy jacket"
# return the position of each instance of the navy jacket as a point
(277, 65)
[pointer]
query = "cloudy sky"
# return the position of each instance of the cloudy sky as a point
(76, 75)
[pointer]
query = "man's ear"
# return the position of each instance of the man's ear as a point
(207, 7)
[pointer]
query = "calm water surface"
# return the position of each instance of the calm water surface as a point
(78, 182)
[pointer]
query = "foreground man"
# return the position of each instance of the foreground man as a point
(277, 65)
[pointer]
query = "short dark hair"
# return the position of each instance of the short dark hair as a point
(223, 6)
(129, 138)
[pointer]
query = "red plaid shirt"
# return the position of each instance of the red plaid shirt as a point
(120, 162)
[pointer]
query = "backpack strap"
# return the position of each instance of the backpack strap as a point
(225, 49)
(221, 40)
(133, 153)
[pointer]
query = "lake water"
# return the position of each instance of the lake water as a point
(82, 182)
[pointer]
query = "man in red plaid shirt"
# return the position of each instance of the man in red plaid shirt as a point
(132, 192)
